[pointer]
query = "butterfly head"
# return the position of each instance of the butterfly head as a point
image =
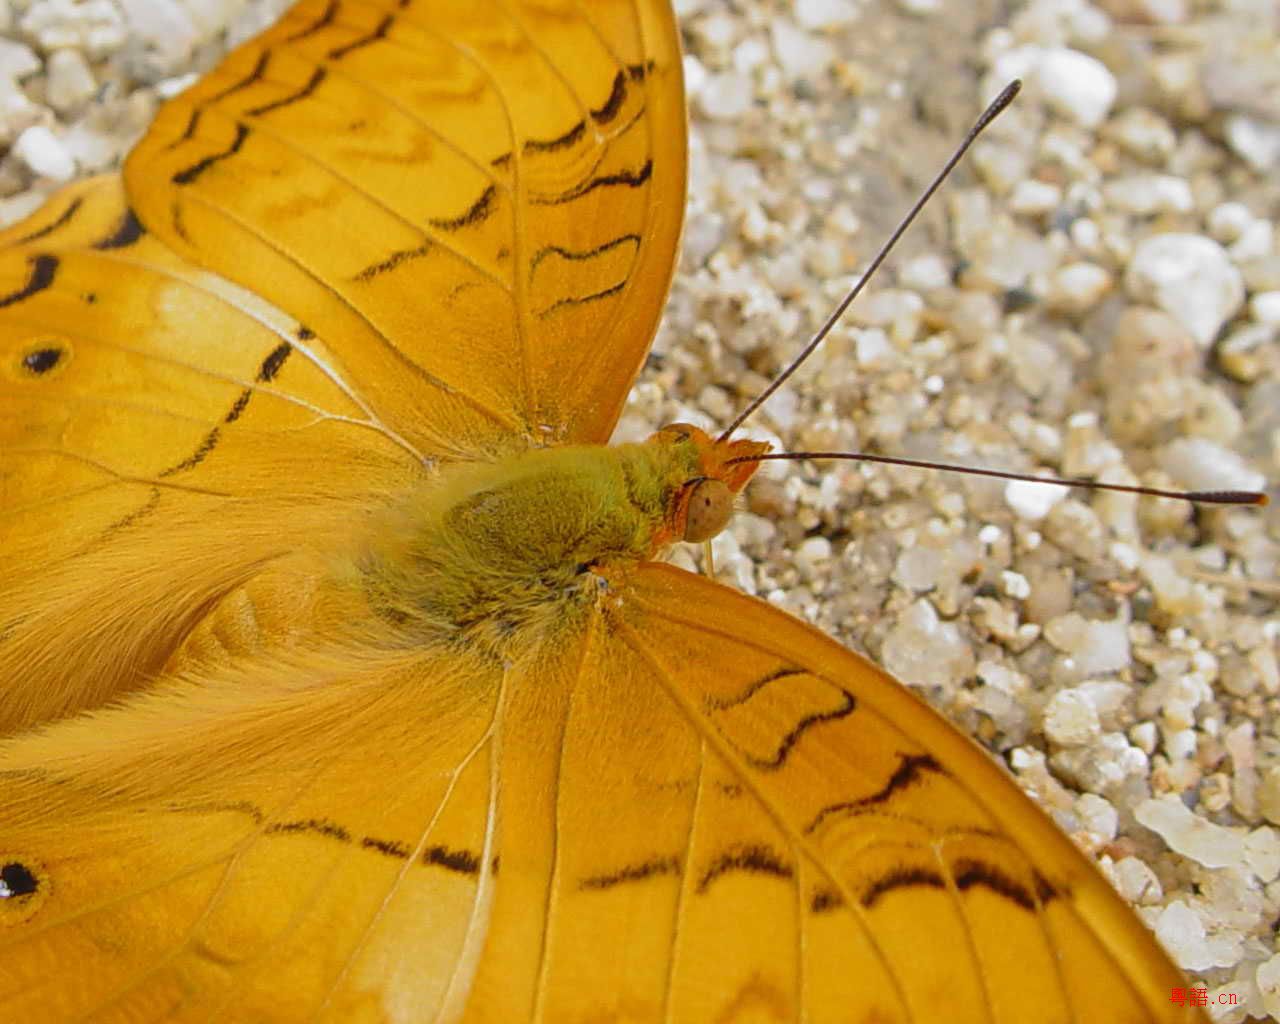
(703, 502)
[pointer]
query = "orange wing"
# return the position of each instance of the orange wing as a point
(472, 202)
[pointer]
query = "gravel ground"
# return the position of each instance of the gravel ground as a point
(1096, 293)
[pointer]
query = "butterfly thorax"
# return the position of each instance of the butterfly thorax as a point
(485, 550)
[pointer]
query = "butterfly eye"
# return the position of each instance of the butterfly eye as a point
(709, 508)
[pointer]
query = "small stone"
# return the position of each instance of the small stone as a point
(1033, 501)
(825, 14)
(1228, 221)
(922, 650)
(44, 154)
(1075, 84)
(1262, 853)
(17, 60)
(70, 81)
(1077, 288)
(1070, 719)
(1205, 465)
(1143, 133)
(1183, 934)
(725, 96)
(799, 54)
(925, 274)
(1136, 882)
(1190, 835)
(1257, 142)
(1098, 646)
(1145, 195)
(1189, 276)
(1267, 978)
(1098, 815)
(1015, 585)
(1269, 795)
(1264, 307)
(1034, 198)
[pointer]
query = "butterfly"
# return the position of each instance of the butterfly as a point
(341, 679)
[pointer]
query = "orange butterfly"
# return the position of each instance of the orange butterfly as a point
(340, 680)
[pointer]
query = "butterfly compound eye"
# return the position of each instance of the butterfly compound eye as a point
(710, 506)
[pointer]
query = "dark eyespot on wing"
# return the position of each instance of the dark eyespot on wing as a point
(128, 231)
(902, 878)
(43, 268)
(305, 333)
(24, 888)
(62, 220)
(17, 880)
(750, 858)
(302, 93)
(633, 873)
(911, 768)
(41, 360)
(974, 873)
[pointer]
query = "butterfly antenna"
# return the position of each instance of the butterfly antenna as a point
(990, 114)
(1199, 497)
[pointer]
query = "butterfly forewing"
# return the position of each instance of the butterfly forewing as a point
(471, 201)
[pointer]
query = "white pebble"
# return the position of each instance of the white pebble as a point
(925, 273)
(70, 81)
(1182, 933)
(1077, 287)
(922, 650)
(1136, 881)
(1098, 815)
(1267, 979)
(1034, 198)
(1262, 853)
(725, 96)
(1070, 719)
(44, 154)
(1256, 141)
(1149, 194)
(825, 13)
(1032, 501)
(17, 60)
(1206, 465)
(1265, 308)
(799, 54)
(1014, 584)
(1191, 278)
(1097, 646)
(1075, 84)
(1190, 835)
(1228, 221)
